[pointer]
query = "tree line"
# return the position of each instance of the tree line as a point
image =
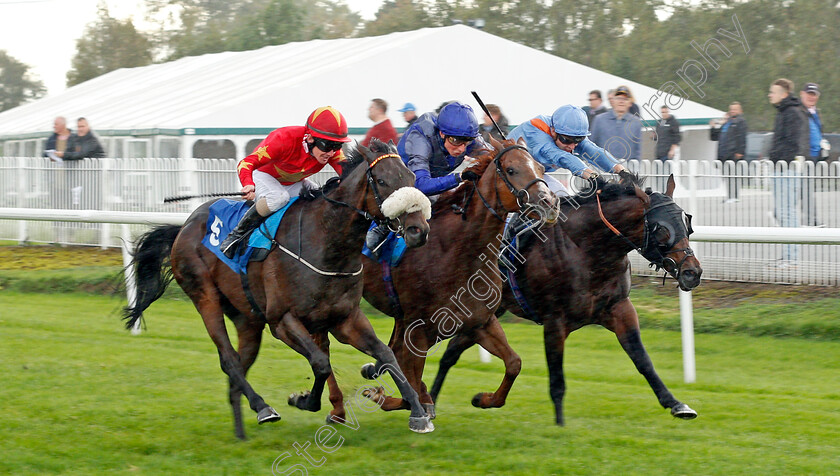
(647, 41)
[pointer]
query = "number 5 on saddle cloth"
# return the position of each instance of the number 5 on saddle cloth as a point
(224, 215)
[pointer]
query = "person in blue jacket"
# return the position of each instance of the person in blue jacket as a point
(432, 147)
(561, 141)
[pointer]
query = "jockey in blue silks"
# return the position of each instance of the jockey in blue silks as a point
(432, 147)
(559, 141)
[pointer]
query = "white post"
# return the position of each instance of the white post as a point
(483, 355)
(130, 285)
(105, 200)
(21, 197)
(687, 329)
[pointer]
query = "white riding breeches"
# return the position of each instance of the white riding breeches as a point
(556, 186)
(276, 194)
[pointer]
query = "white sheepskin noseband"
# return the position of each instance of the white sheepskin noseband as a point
(407, 200)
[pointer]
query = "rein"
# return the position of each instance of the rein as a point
(661, 260)
(519, 194)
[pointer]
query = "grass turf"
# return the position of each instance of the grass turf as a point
(82, 396)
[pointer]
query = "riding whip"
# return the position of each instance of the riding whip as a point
(203, 195)
(484, 108)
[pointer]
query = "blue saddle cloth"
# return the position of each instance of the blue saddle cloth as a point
(391, 251)
(224, 215)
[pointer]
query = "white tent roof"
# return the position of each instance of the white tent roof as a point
(280, 85)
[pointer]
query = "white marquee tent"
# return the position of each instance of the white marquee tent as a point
(240, 96)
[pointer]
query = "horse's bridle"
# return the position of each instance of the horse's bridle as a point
(651, 249)
(400, 229)
(520, 194)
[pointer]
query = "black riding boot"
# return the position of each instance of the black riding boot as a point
(249, 221)
(376, 237)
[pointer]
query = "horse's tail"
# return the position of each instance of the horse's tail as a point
(152, 272)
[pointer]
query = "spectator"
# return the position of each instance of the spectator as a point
(58, 140)
(789, 146)
(488, 129)
(617, 131)
(595, 107)
(559, 140)
(83, 144)
(818, 149)
(610, 98)
(731, 136)
(382, 128)
(409, 112)
(667, 135)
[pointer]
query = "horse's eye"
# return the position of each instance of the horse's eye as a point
(380, 182)
(510, 171)
(662, 234)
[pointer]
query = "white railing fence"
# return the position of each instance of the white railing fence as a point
(731, 198)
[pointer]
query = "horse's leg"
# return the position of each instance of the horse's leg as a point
(554, 337)
(493, 339)
(294, 334)
(372, 371)
(457, 345)
(250, 338)
(211, 313)
(336, 397)
(624, 321)
(357, 331)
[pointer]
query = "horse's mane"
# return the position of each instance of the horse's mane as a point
(456, 195)
(612, 190)
(352, 158)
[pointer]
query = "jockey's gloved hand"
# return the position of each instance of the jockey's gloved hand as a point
(625, 174)
(469, 175)
(597, 181)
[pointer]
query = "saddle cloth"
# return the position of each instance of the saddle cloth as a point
(224, 215)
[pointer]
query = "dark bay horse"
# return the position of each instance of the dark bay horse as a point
(299, 298)
(449, 286)
(581, 275)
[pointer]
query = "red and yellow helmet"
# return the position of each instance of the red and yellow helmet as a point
(327, 123)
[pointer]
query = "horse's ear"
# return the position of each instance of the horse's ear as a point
(365, 151)
(641, 195)
(669, 189)
(496, 144)
(521, 141)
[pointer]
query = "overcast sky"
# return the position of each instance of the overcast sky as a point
(43, 33)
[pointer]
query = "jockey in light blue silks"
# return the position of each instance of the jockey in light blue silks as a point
(559, 141)
(432, 147)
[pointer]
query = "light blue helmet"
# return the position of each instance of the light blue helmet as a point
(457, 119)
(570, 121)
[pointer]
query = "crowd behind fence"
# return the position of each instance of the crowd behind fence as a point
(704, 189)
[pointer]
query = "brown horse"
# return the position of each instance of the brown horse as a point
(581, 275)
(300, 298)
(450, 287)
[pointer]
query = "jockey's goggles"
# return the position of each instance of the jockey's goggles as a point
(569, 139)
(327, 145)
(458, 141)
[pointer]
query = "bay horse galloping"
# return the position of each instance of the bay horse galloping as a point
(581, 275)
(300, 298)
(450, 286)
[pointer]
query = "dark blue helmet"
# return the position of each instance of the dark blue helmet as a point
(457, 119)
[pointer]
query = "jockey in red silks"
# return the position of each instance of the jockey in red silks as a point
(277, 169)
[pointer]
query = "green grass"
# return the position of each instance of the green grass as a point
(82, 396)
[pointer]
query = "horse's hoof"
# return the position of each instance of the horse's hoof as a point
(300, 400)
(681, 410)
(369, 371)
(430, 410)
(421, 424)
(266, 415)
